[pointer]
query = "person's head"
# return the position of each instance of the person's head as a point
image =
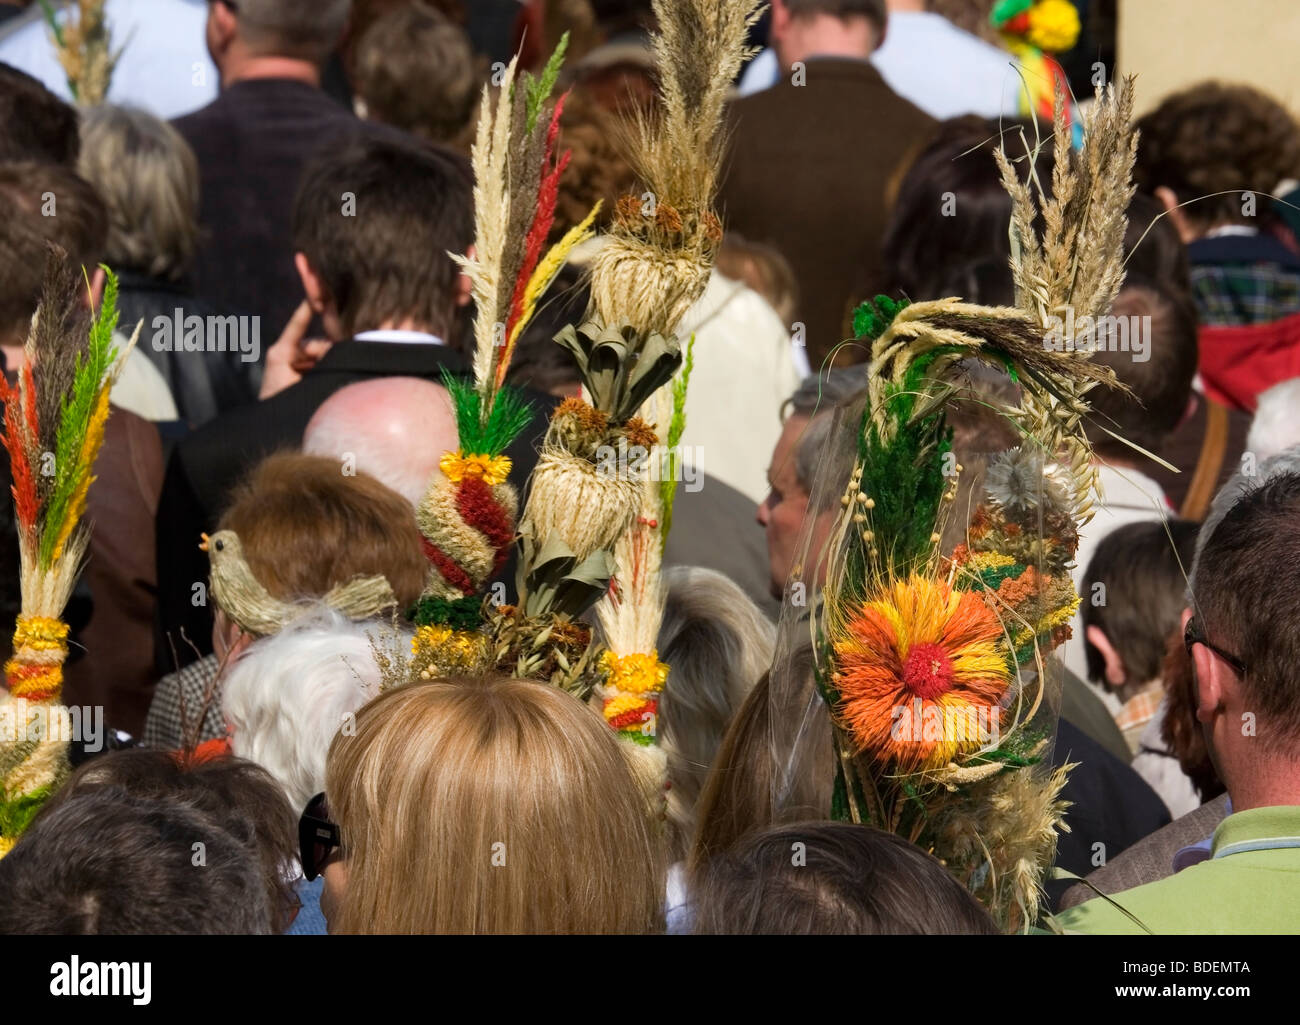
(489, 805)
(762, 268)
(1153, 250)
(307, 524)
(298, 30)
(947, 234)
(819, 28)
(42, 204)
(1207, 145)
(718, 643)
(598, 170)
(287, 697)
(1149, 340)
(110, 863)
(148, 177)
(238, 805)
(1133, 594)
(415, 70)
(809, 415)
(1276, 424)
(832, 878)
(393, 428)
(373, 224)
(1243, 635)
(34, 123)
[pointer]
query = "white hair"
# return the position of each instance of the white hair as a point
(1276, 426)
(288, 695)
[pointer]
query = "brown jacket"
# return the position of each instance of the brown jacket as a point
(808, 172)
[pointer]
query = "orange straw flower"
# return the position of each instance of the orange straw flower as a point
(921, 673)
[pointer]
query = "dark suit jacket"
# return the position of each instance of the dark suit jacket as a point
(206, 465)
(1110, 805)
(252, 143)
(808, 171)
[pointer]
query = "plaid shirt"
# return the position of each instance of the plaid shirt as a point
(1240, 280)
(1139, 710)
(164, 729)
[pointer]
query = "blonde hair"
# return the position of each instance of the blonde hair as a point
(149, 179)
(490, 805)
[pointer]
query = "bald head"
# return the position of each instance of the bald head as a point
(394, 428)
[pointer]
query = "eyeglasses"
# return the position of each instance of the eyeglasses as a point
(318, 838)
(1193, 634)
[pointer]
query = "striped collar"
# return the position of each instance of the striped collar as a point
(1258, 829)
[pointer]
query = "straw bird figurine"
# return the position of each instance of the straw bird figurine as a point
(241, 597)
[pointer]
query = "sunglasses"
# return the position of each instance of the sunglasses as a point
(1194, 634)
(318, 838)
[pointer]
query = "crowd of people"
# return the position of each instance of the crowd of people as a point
(282, 199)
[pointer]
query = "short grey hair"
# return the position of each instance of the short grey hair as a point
(305, 29)
(148, 178)
(817, 396)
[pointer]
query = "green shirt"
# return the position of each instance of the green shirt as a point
(1250, 884)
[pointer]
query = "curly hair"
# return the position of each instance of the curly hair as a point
(1218, 138)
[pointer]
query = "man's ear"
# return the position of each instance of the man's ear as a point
(223, 26)
(464, 286)
(1207, 680)
(1116, 676)
(96, 294)
(1177, 214)
(312, 286)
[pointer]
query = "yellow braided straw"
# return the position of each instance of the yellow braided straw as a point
(46, 679)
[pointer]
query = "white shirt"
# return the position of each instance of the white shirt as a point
(399, 337)
(930, 62)
(164, 68)
(745, 368)
(1128, 496)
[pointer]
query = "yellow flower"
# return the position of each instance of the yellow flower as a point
(493, 469)
(635, 673)
(1053, 26)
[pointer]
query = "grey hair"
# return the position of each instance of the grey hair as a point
(289, 694)
(816, 396)
(304, 29)
(1286, 461)
(148, 178)
(717, 643)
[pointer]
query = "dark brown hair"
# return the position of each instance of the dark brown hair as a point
(873, 10)
(1144, 583)
(1160, 385)
(240, 802)
(832, 878)
(42, 204)
(376, 221)
(1218, 138)
(306, 526)
(1248, 600)
(34, 123)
